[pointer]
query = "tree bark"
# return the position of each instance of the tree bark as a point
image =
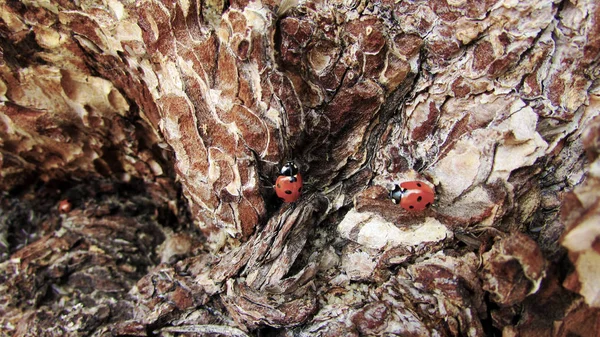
(139, 142)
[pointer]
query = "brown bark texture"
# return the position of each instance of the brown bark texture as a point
(139, 142)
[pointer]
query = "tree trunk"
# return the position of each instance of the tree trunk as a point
(140, 142)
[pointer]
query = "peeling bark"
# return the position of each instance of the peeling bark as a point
(139, 142)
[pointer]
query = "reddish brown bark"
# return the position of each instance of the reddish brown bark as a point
(139, 142)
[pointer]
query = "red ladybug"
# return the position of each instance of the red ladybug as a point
(289, 183)
(64, 206)
(413, 195)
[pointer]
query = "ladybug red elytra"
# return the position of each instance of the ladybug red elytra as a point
(64, 206)
(289, 183)
(413, 195)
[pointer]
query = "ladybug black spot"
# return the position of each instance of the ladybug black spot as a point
(419, 184)
(428, 204)
(288, 192)
(411, 206)
(278, 186)
(419, 199)
(300, 189)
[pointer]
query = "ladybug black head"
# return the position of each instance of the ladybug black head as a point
(396, 194)
(289, 169)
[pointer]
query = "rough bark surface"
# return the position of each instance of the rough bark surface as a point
(139, 141)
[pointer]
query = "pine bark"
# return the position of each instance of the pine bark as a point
(139, 142)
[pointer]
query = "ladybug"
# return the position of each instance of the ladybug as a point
(64, 206)
(413, 195)
(289, 183)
